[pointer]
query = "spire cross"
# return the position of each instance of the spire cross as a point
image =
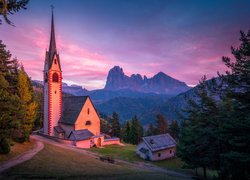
(52, 7)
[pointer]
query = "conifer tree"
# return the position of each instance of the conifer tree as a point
(136, 131)
(236, 99)
(151, 130)
(9, 102)
(116, 129)
(29, 105)
(174, 129)
(127, 133)
(161, 124)
(199, 145)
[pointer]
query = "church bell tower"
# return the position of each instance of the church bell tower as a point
(52, 86)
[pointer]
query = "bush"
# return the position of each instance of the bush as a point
(4, 146)
(18, 136)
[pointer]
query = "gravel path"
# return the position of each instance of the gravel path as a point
(22, 157)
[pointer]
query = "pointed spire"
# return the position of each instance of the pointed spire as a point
(52, 46)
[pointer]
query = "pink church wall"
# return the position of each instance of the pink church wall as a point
(111, 141)
(88, 113)
(83, 144)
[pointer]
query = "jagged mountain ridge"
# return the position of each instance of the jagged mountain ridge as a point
(159, 83)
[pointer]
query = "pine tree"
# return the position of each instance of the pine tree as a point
(9, 102)
(174, 129)
(116, 129)
(29, 106)
(199, 144)
(161, 124)
(151, 130)
(127, 130)
(136, 131)
(236, 98)
(10, 7)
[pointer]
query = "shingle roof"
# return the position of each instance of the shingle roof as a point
(159, 142)
(71, 108)
(80, 134)
(59, 129)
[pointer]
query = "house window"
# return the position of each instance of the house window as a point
(170, 151)
(55, 61)
(88, 110)
(159, 154)
(88, 123)
(55, 77)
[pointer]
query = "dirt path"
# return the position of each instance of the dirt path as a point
(137, 165)
(22, 157)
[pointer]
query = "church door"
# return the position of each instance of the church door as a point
(99, 142)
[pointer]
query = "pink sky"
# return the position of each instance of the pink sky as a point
(146, 40)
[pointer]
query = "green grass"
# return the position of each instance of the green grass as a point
(58, 163)
(126, 152)
(16, 149)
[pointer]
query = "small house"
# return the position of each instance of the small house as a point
(157, 147)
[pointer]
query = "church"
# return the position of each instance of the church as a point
(69, 119)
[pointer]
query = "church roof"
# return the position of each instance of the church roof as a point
(159, 142)
(71, 108)
(80, 134)
(52, 46)
(59, 129)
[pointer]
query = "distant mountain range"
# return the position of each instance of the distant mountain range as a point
(158, 84)
(134, 95)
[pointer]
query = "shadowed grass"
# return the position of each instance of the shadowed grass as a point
(16, 149)
(58, 163)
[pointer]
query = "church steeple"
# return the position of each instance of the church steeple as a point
(52, 46)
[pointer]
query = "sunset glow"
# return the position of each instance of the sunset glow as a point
(184, 39)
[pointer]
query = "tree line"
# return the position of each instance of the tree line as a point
(132, 130)
(18, 106)
(215, 134)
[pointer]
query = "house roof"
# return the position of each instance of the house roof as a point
(59, 129)
(159, 142)
(81, 134)
(71, 108)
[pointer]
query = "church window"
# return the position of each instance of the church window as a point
(88, 123)
(55, 61)
(88, 111)
(55, 77)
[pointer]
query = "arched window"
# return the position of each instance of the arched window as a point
(55, 77)
(88, 111)
(88, 123)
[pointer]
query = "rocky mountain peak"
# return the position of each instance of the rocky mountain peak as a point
(160, 83)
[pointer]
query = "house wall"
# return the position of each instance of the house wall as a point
(67, 129)
(92, 116)
(164, 154)
(142, 155)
